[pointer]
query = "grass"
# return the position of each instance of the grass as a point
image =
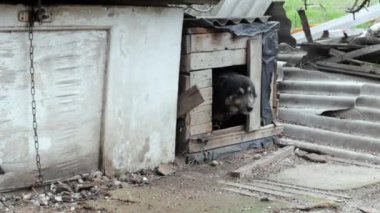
(319, 11)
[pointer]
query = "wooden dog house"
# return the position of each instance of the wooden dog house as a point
(204, 50)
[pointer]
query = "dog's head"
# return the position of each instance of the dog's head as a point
(239, 93)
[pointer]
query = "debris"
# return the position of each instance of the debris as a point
(60, 187)
(58, 198)
(214, 163)
(315, 158)
(257, 189)
(265, 161)
(165, 169)
(188, 100)
(145, 180)
(27, 196)
(264, 199)
(43, 200)
(256, 156)
(300, 153)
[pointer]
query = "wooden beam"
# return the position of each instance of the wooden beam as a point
(263, 162)
(254, 63)
(365, 71)
(188, 100)
(228, 139)
(214, 42)
(208, 60)
(356, 53)
(305, 25)
(257, 189)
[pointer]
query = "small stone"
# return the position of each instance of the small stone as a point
(58, 198)
(63, 187)
(96, 174)
(80, 180)
(66, 198)
(105, 178)
(53, 187)
(43, 200)
(145, 180)
(165, 170)
(27, 196)
(76, 196)
(117, 183)
(214, 163)
(35, 202)
(84, 193)
(264, 199)
(256, 156)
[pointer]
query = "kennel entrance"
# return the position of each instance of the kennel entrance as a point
(205, 52)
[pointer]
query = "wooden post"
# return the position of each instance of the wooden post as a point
(254, 62)
(305, 25)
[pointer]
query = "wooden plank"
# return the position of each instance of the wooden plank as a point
(257, 189)
(242, 192)
(356, 53)
(207, 60)
(201, 78)
(234, 138)
(283, 185)
(201, 30)
(228, 130)
(188, 100)
(201, 108)
(207, 95)
(201, 129)
(263, 162)
(305, 25)
(295, 191)
(201, 117)
(349, 69)
(214, 42)
(254, 62)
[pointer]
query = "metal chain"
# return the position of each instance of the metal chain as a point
(33, 93)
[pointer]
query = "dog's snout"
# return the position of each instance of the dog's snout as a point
(249, 108)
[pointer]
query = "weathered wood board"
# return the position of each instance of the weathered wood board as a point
(208, 60)
(254, 63)
(234, 138)
(188, 100)
(213, 42)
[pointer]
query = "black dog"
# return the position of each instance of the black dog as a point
(234, 95)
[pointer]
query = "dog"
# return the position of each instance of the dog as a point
(234, 97)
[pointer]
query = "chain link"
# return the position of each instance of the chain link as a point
(33, 93)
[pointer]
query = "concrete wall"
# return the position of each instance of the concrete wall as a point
(107, 80)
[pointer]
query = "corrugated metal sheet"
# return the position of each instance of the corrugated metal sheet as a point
(331, 110)
(234, 8)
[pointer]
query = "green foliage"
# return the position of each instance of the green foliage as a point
(318, 11)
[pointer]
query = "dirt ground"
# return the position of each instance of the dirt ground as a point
(197, 189)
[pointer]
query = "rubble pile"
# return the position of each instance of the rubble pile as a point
(90, 186)
(356, 55)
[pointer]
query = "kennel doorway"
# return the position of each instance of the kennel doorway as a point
(204, 52)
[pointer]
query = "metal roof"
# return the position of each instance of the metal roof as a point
(232, 8)
(116, 2)
(330, 110)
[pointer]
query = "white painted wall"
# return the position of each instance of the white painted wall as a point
(134, 50)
